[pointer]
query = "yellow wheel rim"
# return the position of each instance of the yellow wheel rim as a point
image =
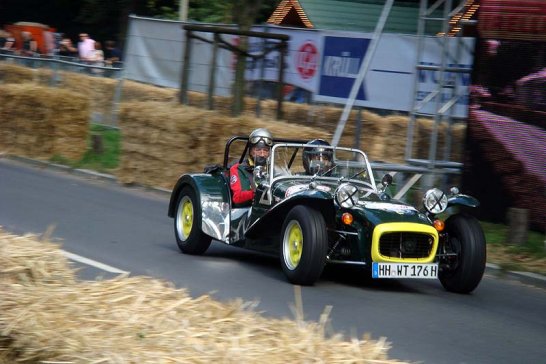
(293, 244)
(185, 218)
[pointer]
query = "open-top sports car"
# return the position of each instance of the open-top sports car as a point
(329, 210)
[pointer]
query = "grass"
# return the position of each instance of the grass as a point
(102, 161)
(530, 257)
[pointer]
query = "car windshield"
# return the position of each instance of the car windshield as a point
(326, 162)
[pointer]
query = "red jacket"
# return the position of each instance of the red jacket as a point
(240, 182)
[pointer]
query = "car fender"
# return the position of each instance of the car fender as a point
(270, 223)
(463, 200)
(213, 197)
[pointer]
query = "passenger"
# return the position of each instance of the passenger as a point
(317, 159)
(241, 174)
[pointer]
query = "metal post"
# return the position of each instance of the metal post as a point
(362, 72)
(420, 46)
(183, 96)
(438, 116)
(282, 51)
(212, 72)
(262, 75)
(358, 129)
(183, 10)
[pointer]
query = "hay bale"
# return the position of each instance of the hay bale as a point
(41, 122)
(47, 315)
(136, 91)
(161, 141)
(11, 73)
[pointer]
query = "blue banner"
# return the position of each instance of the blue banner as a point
(341, 62)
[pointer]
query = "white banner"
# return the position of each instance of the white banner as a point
(324, 63)
(302, 63)
(390, 79)
(154, 55)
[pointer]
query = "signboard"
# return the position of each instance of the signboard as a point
(341, 63)
(513, 19)
(325, 63)
(302, 60)
(389, 83)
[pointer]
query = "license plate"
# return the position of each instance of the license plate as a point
(402, 270)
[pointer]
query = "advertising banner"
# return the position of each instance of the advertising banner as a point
(302, 63)
(325, 63)
(389, 83)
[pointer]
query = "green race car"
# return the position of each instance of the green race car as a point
(312, 213)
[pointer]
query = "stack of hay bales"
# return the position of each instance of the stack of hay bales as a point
(42, 122)
(47, 315)
(161, 141)
(10, 73)
(161, 138)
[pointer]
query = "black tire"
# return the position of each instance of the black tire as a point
(187, 224)
(463, 273)
(304, 244)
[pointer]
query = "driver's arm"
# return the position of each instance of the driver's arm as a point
(238, 194)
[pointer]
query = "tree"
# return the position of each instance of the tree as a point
(244, 15)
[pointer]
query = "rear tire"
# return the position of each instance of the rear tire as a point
(463, 273)
(304, 244)
(187, 224)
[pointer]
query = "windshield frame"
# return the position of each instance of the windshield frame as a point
(298, 150)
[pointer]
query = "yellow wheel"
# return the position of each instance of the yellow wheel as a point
(185, 218)
(304, 243)
(187, 224)
(292, 245)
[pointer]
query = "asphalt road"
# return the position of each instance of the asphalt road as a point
(503, 321)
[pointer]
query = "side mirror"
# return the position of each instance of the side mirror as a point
(386, 180)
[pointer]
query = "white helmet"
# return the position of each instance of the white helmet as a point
(260, 137)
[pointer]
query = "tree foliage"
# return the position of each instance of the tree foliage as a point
(107, 19)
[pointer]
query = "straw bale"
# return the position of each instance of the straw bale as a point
(98, 90)
(11, 73)
(29, 260)
(136, 91)
(40, 122)
(47, 315)
(159, 138)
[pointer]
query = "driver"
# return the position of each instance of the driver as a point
(316, 158)
(241, 174)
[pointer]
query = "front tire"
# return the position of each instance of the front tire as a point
(304, 244)
(187, 224)
(463, 273)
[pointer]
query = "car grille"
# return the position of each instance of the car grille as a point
(405, 245)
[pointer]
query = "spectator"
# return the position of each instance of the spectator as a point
(86, 46)
(67, 49)
(96, 58)
(7, 42)
(112, 54)
(30, 47)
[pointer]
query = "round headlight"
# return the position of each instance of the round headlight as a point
(346, 195)
(435, 201)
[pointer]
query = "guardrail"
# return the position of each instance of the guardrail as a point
(58, 64)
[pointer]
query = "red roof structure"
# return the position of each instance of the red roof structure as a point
(290, 12)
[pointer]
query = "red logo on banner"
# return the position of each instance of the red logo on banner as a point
(306, 60)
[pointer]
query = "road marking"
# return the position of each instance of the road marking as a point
(93, 263)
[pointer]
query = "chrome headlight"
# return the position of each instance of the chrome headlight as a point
(346, 195)
(435, 201)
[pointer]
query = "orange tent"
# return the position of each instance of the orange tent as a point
(42, 34)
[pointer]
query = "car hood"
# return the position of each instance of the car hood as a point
(376, 208)
(378, 212)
